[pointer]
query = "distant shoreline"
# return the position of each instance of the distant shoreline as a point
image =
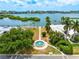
(39, 12)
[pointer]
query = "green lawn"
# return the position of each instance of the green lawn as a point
(76, 49)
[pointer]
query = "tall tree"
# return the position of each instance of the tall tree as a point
(75, 26)
(48, 23)
(67, 22)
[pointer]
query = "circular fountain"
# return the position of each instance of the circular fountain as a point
(40, 44)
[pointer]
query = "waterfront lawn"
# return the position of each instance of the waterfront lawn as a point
(47, 51)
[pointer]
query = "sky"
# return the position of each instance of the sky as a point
(46, 5)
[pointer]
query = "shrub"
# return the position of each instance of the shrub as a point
(44, 34)
(66, 49)
(76, 38)
(65, 46)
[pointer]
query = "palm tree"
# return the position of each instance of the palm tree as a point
(48, 23)
(68, 24)
(75, 26)
(62, 20)
(48, 20)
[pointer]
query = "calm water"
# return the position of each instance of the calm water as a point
(55, 19)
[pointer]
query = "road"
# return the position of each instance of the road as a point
(38, 57)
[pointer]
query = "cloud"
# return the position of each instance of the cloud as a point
(42, 2)
(60, 2)
(4, 1)
(56, 2)
(67, 2)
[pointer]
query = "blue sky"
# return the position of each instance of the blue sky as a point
(24, 5)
